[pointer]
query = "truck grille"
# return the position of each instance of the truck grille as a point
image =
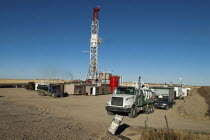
(118, 101)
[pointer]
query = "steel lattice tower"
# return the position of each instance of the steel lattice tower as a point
(95, 41)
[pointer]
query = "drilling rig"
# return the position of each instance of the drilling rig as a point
(95, 41)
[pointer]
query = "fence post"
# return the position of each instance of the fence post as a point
(146, 123)
(169, 135)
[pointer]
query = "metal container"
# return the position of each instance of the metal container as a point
(114, 82)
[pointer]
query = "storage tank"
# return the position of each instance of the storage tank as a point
(114, 82)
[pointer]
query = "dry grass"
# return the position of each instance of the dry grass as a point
(10, 81)
(162, 134)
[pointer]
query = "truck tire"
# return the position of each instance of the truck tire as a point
(110, 113)
(133, 113)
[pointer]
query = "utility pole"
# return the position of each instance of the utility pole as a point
(181, 81)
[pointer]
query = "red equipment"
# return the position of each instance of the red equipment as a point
(95, 13)
(114, 82)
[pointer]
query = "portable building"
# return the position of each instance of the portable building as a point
(87, 89)
(181, 91)
(165, 92)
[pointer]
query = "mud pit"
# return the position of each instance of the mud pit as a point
(25, 115)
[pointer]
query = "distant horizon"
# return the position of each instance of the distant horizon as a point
(106, 80)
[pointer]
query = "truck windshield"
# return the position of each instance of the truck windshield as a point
(125, 90)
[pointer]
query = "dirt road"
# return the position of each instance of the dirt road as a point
(26, 115)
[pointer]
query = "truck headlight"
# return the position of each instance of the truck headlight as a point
(128, 106)
(107, 104)
(164, 104)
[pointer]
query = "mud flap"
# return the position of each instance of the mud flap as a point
(115, 124)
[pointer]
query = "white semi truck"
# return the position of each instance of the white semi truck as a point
(131, 100)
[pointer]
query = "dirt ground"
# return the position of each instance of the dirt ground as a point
(205, 93)
(26, 115)
(195, 106)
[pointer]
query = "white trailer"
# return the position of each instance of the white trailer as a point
(181, 91)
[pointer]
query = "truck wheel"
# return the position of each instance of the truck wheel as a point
(110, 113)
(133, 113)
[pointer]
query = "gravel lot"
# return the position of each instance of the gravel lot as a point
(26, 115)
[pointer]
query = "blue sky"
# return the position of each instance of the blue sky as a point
(159, 40)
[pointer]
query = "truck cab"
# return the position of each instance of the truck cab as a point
(122, 100)
(54, 90)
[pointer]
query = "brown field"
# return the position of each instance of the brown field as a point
(24, 81)
(26, 115)
(11, 81)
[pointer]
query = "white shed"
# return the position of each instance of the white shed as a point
(181, 91)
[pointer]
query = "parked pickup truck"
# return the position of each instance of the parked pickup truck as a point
(164, 103)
